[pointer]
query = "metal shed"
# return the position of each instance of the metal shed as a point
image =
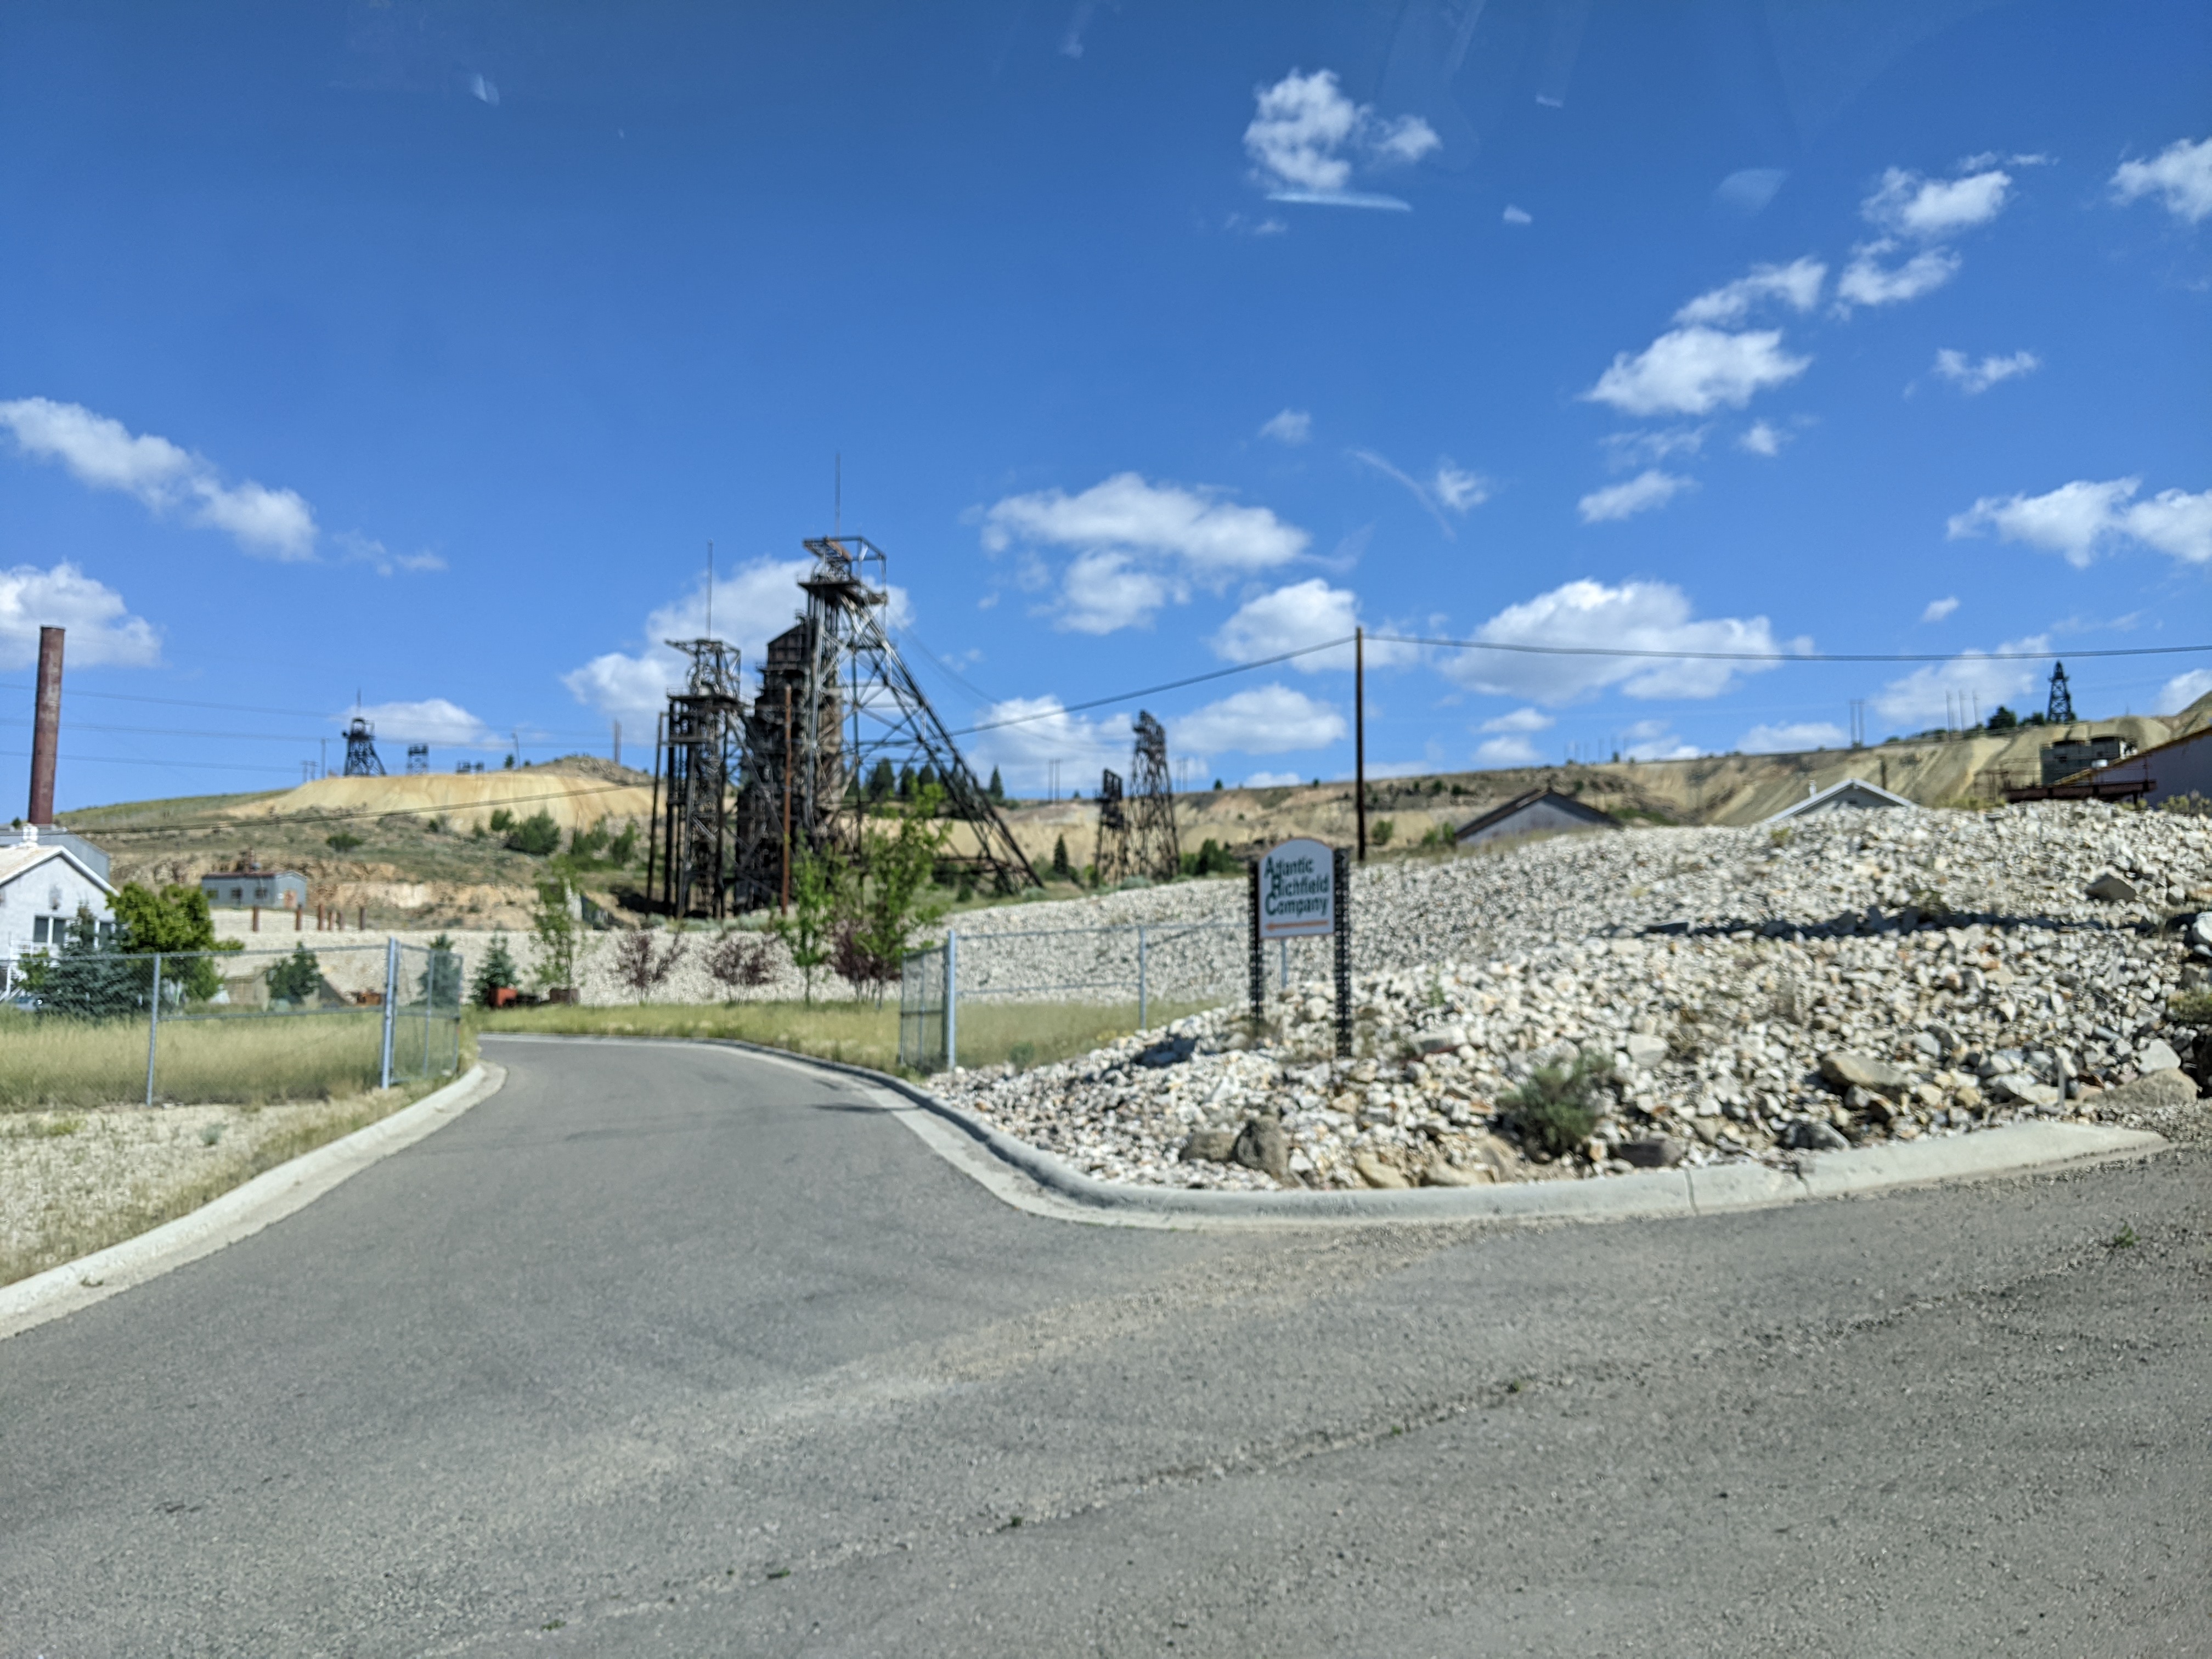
(1543, 811)
(266, 889)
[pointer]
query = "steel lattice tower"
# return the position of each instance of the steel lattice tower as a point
(1109, 862)
(1153, 848)
(692, 866)
(853, 706)
(2060, 709)
(361, 761)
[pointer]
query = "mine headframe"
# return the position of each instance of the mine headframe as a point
(361, 759)
(1136, 826)
(2059, 710)
(691, 865)
(838, 713)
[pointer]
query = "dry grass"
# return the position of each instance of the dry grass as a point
(75, 1182)
(858, 1034)
(47, 1062)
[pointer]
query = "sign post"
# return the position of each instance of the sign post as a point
(1301, 889)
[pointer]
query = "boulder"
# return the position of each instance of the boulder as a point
(1375, 1173)
(1442, 1043)
(1440, 1171)
(2022, 1086)
(1644, 1050)
(1261, 1145)
(1209, 1146)
(2113, 888)
(1947, 1040)
(1811, 1135)
(1168, 1051)
(1651, 1152)
(2157, 1055)
(1847, 1071)
(2159, 1089)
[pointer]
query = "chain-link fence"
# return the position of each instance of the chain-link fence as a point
(98, 1027)
(1150, 964)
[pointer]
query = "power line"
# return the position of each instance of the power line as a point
(1150, 690)
(1783, 656)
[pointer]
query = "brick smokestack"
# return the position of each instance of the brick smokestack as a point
(46, 728)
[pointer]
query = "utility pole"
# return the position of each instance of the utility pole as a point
(786, 901)
(1359, 735)
(617, 743)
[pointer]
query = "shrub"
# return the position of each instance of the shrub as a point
(1553, 1111)
(497, 973)
(298, 978)
(1022, 1056)
(501, 820)
(344, 840)
(739, 961)
(536, 835)
(1382, 831)
(640, 968)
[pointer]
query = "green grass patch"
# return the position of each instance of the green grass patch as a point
(48, 1063)
(858, 1034)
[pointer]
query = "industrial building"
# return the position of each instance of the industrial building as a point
(1543, 811)
(252, 887)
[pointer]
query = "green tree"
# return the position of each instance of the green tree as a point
(85, 977)
(882, 781)
(554, 927)
(1061, 870)
(497, 973)
(820, 882)
(501, 820)
(297, 978)
(995, 788)
(439, 982)
(2001, 718)
(176, 921)
(622, 850)
(536, 835)
(892, 905)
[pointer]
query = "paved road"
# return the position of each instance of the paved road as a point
(669, 1350)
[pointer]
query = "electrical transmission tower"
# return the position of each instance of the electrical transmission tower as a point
(1109, 863)
(2060, 709)
(361, 761)
(1137, 829)
(692, 865)
(838, 712)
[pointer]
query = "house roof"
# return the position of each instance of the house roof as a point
(1813, 802)
(1498, 814)
(21, 860)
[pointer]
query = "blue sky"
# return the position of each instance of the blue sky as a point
(417, 351)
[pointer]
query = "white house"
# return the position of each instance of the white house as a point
(1852, 794)
(42, 887)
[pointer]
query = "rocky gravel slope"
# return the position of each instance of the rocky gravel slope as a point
(1703, 995)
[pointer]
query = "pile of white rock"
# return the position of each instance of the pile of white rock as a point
(1703, 996)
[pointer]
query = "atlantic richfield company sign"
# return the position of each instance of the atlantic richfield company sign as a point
(1297, 890)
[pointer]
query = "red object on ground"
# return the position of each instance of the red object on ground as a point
(504, 996)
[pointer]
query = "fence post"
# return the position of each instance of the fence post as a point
(1258, 964)
(951, 998)
(1140, 976)
(391, 1002)
(153, 1028)
(1343, 942)
(429, 996)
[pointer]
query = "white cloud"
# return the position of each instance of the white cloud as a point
(1513, 216)
(2178, 693)
(1457, 489)
(1909, 205)
(1791, 739)
(1627, 449)
(2080, 519)
(1641, 494)
(1637, 616)
(1925, 698)
(1307, 136)
(2180, 176)
(1024, 735)
(1292, 426)
(105, 454)
(1693, 370)
(1139, 546)
(1273, 780)
(101, 631)
(1762, 438)
(1867, 282)
(1520, 720)
(1305, 613)
(1507, 751)
(751, 604)
(354, 549)
(1651, 740)
(1938, 610)
(1796, 284)
(433, 720)
(1266, 720)
(1974, 379)
(1414, 486)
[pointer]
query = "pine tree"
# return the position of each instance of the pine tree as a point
(997, 790)
(498, 973)
(1061, 870)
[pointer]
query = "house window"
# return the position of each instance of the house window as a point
(38, 930)
(237, 895)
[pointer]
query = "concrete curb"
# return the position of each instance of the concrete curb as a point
(243, 1210)
(2016, 1149)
